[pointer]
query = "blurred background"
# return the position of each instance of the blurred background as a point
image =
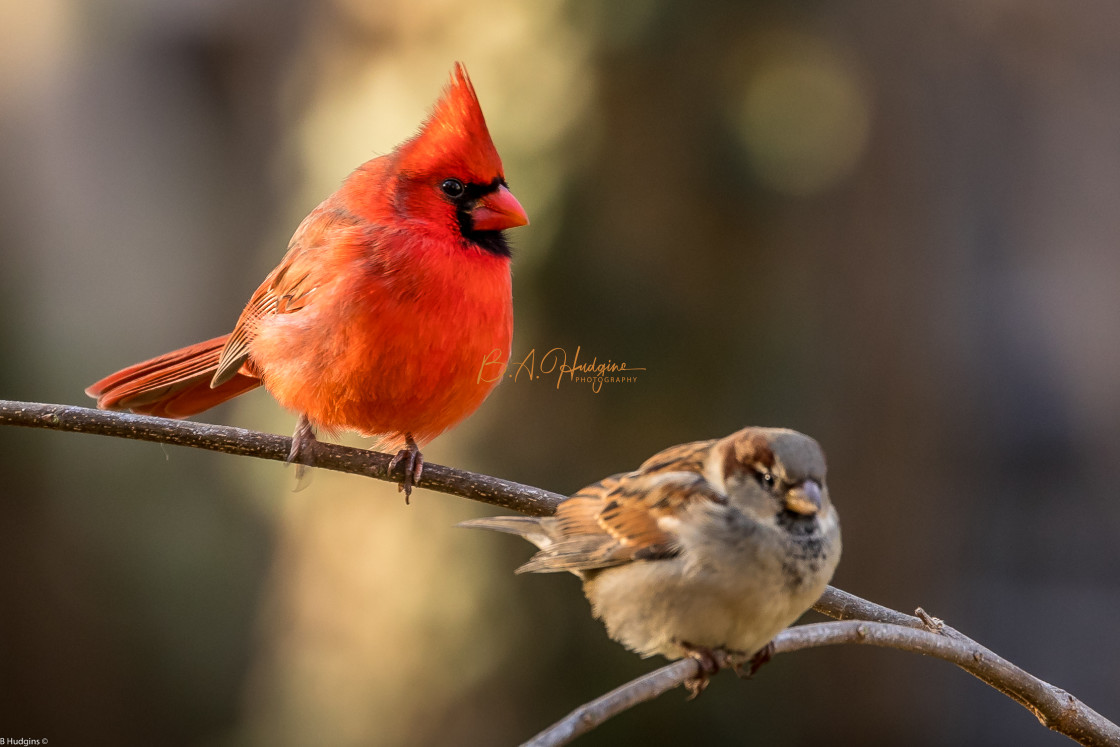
(893, 226)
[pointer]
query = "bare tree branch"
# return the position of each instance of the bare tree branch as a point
(844, 606)
(589, 715)
(514, 496)
(875, 625)
(1055, 708)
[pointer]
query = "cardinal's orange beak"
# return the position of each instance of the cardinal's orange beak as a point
(497, 211)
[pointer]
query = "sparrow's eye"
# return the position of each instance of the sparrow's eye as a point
(453, 188)
(765, 479)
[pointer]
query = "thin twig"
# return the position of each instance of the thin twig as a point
(844, 606)
(514, 496)
(589, 715)
(1055, 708)
(881, 626)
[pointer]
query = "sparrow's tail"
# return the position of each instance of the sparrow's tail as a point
(575, 554)
(524, 526)
(174, 385)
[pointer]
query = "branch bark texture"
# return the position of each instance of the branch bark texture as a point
(1054, 707)
(514, 496)
(862, 622)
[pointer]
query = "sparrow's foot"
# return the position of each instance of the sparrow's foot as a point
(413, 462)
(709, 665)
(746, 667)
(303, 446)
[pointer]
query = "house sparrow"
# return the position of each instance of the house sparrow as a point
(709, 549)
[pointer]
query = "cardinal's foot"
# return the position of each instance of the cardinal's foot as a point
(413, 462)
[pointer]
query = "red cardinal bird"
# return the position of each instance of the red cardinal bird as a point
(393, 292)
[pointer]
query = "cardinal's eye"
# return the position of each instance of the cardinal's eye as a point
(453, 188)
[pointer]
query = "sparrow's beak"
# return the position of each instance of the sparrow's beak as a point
(498, 210)
(804, 499)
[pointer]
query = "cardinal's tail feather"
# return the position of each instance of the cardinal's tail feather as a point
(174, 385)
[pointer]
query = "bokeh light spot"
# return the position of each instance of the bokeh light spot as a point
(804, 119)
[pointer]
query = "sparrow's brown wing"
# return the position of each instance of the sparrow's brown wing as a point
(688, 457)
(618, 520)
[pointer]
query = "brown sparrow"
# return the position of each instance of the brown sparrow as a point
(709, 549)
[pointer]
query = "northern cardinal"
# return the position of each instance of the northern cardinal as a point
(709, 549)
(394, 291)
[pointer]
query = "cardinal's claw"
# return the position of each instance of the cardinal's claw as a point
(413, 466)
(303, 446)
